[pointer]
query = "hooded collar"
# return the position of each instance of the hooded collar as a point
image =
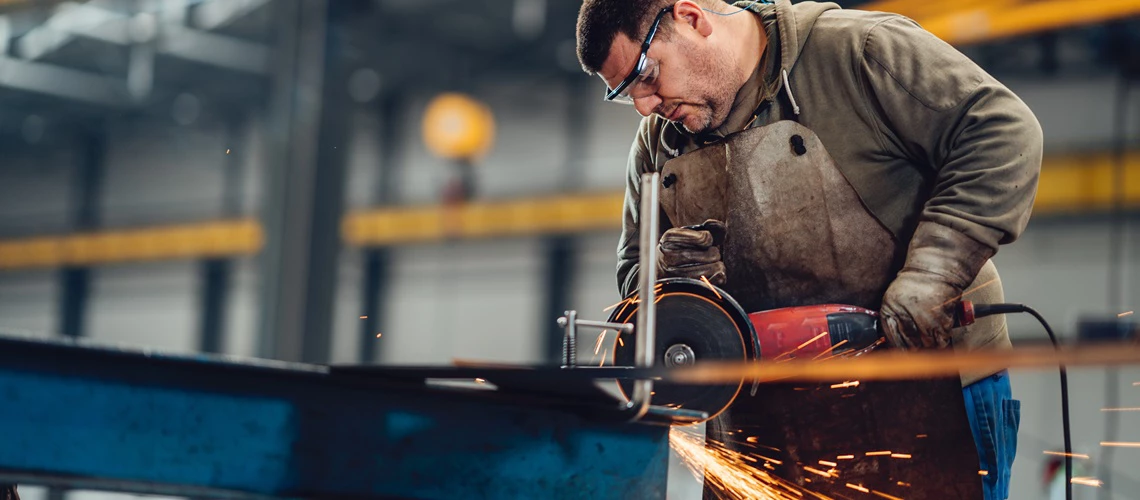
(786, 27)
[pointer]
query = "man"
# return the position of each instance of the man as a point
(849, 156)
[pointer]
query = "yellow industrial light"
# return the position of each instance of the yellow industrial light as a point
(458, 127)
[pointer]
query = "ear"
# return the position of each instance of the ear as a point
(692, 14)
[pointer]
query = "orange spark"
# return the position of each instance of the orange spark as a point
(378, 335)
(905, 485)
(1120, 445)
(849, 351)
(983, 473)
(813, 470)
(1087, 481)
(845, 385)
(623, 301)
(777, 462)
(711, 287)
(956, 299)
(829, 351)
(921, 436)
(858, 488)
(480, 381)
(601, 336)
(900, 455)
(620, 341)
(227, 151)
(1124, 314)
(603, 361)
(878, 453)
(364, 317)
(624, 304)
(829, 464)
(1063, 454)
(845, 457)
(813, 339)
(729, 473)
(884, 495)
(751, 439)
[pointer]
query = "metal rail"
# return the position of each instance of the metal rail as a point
(647, 313)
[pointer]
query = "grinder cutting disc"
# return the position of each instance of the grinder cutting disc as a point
(695, 323)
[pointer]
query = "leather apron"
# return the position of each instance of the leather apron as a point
(797, 231)
(798, 234)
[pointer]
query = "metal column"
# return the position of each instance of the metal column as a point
(215, 272)
(85, 189)
(377, 261)
(305, 187)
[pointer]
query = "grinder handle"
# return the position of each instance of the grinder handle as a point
(716, 228)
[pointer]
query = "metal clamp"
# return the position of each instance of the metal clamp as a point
(645, 332)
(570, 323)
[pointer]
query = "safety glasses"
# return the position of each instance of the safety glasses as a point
(644, 74)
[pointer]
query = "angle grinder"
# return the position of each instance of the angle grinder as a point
(699, 322)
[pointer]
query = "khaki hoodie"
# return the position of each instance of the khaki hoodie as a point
(918, 129)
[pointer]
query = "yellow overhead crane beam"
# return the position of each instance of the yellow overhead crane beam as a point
(1078, 184)
(973, 21)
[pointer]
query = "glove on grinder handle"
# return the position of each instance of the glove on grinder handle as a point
(715, 227)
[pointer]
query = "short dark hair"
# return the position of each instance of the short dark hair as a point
(599, 21)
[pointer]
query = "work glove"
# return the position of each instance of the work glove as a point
(692, 252)
(918, 308)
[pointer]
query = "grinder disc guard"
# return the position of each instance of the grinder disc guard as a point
(695, 323)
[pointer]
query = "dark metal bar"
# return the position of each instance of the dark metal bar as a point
(213, 293)
(74, 287)
(305, 194)
(86, 187)
(215, 273)
(373, 300)
(558, 286)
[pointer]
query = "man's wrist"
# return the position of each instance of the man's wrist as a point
(946, 252)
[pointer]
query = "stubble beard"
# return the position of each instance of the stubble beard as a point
(718, 96)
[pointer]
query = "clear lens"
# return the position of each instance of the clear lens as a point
(648, 77)
(622, 98)
(645, 84)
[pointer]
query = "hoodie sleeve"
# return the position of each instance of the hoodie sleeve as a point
(982, 144)
(629, 246)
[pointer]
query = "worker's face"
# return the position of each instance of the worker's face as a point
(684, 80)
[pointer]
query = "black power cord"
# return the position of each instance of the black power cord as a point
(982, 310)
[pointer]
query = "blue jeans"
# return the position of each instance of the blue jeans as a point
(994, 418)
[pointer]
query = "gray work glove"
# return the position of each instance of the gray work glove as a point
(918, 308)
(692, 252)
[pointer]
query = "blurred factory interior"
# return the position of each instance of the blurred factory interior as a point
(409, 182)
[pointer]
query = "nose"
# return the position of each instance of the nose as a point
(646, 105)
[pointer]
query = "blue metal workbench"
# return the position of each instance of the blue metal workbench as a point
(78, 415)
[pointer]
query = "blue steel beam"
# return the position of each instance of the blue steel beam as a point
(81, 416)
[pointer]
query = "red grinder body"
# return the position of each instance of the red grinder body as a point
(813, 331)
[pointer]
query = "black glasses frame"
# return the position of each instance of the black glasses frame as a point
(613, 94)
